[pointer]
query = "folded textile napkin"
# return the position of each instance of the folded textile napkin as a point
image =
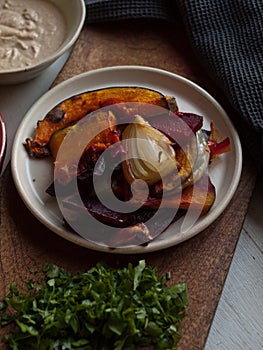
(227, 37)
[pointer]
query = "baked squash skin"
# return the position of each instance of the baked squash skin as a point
(76, 107)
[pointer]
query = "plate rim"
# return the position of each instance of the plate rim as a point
(73, 237)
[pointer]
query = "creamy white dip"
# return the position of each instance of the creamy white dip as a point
(30, 30)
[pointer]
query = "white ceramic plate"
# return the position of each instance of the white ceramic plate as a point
(33, 176)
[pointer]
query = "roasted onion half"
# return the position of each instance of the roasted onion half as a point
(150, 156)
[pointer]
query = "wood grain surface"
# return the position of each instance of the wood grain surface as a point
(202, 261)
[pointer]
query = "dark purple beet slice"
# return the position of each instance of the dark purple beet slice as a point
(98, 211)
(120, 221)
(178, 127)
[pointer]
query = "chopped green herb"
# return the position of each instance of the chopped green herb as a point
(100, 309)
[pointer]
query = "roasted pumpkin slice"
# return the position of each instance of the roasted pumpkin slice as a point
(102, 124)
(57, 138)
(199, 196)
(76, 107)
(103, 120)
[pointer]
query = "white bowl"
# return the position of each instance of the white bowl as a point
(74, 12)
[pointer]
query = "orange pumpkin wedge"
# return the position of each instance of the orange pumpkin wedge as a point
(71, 110)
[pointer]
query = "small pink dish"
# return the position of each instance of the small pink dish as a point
(2, 141)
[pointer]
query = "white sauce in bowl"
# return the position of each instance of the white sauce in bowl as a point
(30, 31)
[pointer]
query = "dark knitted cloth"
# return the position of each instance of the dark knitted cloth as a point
(227, 36)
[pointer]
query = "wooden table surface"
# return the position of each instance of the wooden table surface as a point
(203, 261)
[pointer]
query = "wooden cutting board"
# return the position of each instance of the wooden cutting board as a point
(202, 261)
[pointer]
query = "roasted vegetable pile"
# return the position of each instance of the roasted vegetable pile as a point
(150, 141)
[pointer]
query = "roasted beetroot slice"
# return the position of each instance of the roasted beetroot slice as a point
(98, 211)
(124, 223)
(178, 127)
(194, 121)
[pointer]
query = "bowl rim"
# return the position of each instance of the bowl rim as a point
(3, 140)
(59, 52)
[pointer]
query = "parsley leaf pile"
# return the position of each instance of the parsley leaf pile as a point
(102, 308)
